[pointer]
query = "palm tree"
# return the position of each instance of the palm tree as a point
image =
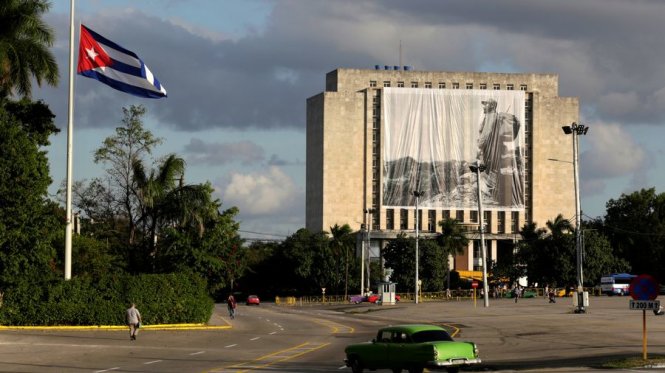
(164, 200)
(342, 240)
(24, 42)
(452, 239)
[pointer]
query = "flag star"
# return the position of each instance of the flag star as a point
(91, 53)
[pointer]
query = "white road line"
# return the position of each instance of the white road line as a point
(273, 333)
(342, 367)
(233, 345)
(107, 370)
(255, 338)
(152, 362)
(197, 353)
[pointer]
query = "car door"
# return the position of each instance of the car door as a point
(400, 349)
(378, 356)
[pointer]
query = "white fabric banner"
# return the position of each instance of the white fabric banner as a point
(430, 137)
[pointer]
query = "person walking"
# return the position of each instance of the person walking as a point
(133, 321)
(231, 305)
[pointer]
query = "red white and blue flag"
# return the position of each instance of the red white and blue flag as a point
(106, 61)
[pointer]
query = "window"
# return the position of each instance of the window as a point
(483, 85)
(403, 219)
(487, 220)
(473, 216)
(469, 85)
(400, 84)
(442, 85)
(496, 86)
(386, 84)
(522, 87)
(510, 87)
(372, 83)
(446, 214)
(501, 222)
(515, 223)
(414, 84)
(420, 220)
(428, 84)
(431, 220)
(459, 215)
(390, 219)
(455, 85)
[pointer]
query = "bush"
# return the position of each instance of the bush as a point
(164, 298)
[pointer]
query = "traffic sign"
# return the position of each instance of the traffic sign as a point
(474, 284)
(644, 304)
(643, 287)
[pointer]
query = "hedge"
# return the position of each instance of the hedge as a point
(162, 299)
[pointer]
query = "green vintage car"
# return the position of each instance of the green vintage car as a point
(411, 347)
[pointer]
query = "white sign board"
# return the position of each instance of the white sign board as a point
(644, 304)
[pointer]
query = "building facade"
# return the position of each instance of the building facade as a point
(376, 136)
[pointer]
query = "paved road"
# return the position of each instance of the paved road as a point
(531, 335)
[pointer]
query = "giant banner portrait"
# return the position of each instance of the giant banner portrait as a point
(430, 137)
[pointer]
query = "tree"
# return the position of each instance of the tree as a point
(453, 240)
(342, 241)
(28, 221)
(130, 144)
(635, 226)
(24, 47)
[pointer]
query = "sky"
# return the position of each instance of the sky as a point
(238, 73)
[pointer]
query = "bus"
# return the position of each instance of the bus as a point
(616, 283)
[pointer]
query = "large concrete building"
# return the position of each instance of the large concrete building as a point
(375, 136)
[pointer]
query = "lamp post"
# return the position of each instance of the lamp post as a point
(417, 194)
(576, 130)
(369, 212)
(478, 168)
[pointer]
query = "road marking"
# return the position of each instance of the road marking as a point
(233, 345)
(336, 328)
(273, 333)
(255, 338)
(197, 353)
(274, 358)
(342, 367)
(152, 362)
(107, 370)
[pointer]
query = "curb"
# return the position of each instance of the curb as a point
(118, 327)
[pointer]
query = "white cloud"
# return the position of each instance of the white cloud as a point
(261, 193)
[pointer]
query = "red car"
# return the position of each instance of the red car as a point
(252, 299)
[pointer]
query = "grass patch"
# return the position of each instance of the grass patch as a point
(635, 362)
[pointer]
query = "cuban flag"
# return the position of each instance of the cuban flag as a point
(106, 61)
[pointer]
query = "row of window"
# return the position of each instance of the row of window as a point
(454, 85)
(432, 223)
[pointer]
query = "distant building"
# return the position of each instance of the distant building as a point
(376, 136)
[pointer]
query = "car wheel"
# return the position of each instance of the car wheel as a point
(453, 370)
(416, 370)
(356, 365)
(397, 370)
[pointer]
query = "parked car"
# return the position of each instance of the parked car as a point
(411, 347)
(252, 299)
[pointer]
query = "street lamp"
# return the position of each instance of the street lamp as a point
(576, 130)
(369, 247)
(417, 194)
(478, 168)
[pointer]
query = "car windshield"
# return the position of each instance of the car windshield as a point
(431, 336)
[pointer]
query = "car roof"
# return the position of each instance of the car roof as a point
(412, 328)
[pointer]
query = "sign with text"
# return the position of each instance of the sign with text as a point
(644, 304)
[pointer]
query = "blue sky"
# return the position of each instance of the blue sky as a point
(238, 74)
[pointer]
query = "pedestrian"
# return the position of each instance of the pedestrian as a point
(133, 321)
(231, 305)
(551, 296)
(516, 292)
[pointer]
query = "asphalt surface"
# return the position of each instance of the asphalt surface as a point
(534, 334)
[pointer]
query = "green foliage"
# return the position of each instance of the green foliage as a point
(24, 47)
(27, 221)
(162, 299)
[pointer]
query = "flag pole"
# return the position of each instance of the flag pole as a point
(70, 147)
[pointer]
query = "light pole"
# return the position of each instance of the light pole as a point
(576, 130)
(478, 168)
(369, 212)
(417, 194)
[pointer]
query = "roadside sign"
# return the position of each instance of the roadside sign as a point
(644, 304)
(643, 287)
(474, 284)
